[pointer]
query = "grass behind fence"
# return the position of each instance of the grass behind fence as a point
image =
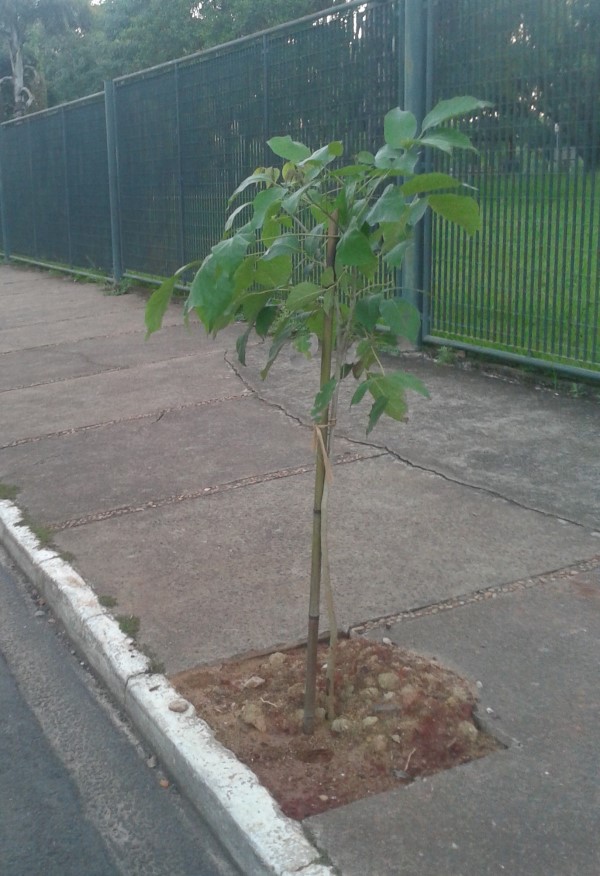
(529, 283)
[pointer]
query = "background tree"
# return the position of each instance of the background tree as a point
(540, 68)
(18, 21)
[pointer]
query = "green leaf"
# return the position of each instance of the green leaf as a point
(287, 244)
(327, 277)
(452, 109)
(263, 203)
(258, 176)
(211, 294)
(389, 207)
(322, 398)
(265, 319)
(289, 149)
(302, 296)
(240, 345)
(416, 211)
(229, 254)
(403, 163)
(279, 341)
(158, 304)
(429, 182)
(325, 154)
(388, 387)
(274, 272)
(460, 209)
(231, 219)
(360, 393)
(354, 250)
(401, 317)
(376, 412)
(366, 312)
(395, 256)
(365, 158)
(398, 126)
(291, 203)
(253, 303)
(447, 139)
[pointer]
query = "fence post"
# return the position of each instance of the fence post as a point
(414, 87)
(181, 255)
(113, 178)
(3, 217)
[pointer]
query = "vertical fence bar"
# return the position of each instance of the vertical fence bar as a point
(32, 190)
(67, 194)
(427, 252)
(265, 106)
(3, 214)
(181, 205)
(113, 178)
(415, 74)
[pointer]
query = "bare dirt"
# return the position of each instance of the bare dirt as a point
(398, 716)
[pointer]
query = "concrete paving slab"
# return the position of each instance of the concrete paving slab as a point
(532, 809)
(532, 446)
(148, 460)
(228, 573)
(114, 395)
(52, 363)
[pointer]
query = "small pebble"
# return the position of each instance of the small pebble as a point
(179, 706)
(40, 614)
(164, 783)
(151, 761)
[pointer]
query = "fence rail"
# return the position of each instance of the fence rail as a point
(135, 181)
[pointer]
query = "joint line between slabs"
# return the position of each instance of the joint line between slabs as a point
(153, 504)
(156, 415)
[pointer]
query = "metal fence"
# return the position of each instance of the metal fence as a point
(136, 181)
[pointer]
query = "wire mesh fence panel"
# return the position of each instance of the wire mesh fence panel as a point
(87, 184)
(221, 129)
(17, 190)
(530, 282)
(49, 190)
(149, 190)
(335, 76)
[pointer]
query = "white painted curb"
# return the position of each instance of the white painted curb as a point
(227, 794)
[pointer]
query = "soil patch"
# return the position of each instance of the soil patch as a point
(398, 716)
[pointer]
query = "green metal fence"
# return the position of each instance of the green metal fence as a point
(136, 181)
(529, 284)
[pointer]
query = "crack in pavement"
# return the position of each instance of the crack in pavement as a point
(414, 465)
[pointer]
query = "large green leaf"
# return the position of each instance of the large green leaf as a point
(289, 149)
(287, 244)
(452, 109)
(389, 158)
(258, 176)
(389, 207)
(325, 154)
(157, 305)
(395, 256)
(228, 255)
(302, 297)
(354, 250)
(366, 311)
(375, 413)
(401, 317)
(447, 139)
(211, 294)
(429, 182)
(240, 345)
(460, 209)
(263, 203)
(265, 319)
(274, 272)
(398, 126)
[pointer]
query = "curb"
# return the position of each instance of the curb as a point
(241, 812)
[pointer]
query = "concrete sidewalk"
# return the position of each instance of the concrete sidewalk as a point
(182, 486)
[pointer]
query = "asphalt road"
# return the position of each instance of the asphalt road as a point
(77, 793)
